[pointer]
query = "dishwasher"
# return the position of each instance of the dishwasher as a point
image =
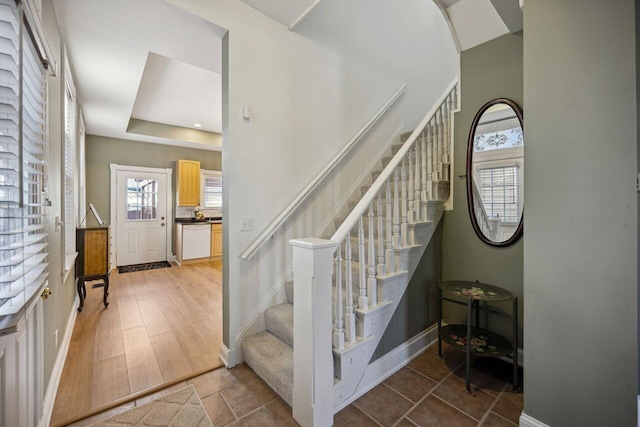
(196, 241)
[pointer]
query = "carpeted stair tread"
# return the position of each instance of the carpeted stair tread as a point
(279, 320)
(272, 359)
(288, 288)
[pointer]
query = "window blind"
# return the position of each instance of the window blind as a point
(23, 163)
(499, 192)
(69, 182)
(212, 189)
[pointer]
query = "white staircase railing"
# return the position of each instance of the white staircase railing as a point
(368, 249)
(488, 226)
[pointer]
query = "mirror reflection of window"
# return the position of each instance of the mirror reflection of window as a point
(498, 171)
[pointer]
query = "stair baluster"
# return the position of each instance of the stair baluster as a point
(372, 288)
(338, 331)
(382, 268)
(416, 179)
(397, 240)
(389, 255)
(427, 178)
(363, 303)
(404, 230)
(412, 195)
(349, 317)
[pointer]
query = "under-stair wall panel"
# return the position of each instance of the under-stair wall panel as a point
(418, 307)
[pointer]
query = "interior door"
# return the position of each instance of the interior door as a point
(141, 217)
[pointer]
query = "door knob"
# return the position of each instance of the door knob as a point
(45, 293)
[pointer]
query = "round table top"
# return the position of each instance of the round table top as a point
(475, 290)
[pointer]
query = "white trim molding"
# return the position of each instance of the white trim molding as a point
(529, 421)
(230, 358)
(56, 373)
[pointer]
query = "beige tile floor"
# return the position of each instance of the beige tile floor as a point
(430, 391)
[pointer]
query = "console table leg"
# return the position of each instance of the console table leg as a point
(82, 293)
(515, 343)
(439, 321)
(106, 291)
(468, 355)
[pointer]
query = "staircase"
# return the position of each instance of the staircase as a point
(375, 249)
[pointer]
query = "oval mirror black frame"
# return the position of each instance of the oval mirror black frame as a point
(518, 233)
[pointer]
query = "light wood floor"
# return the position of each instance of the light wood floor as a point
(160, 325)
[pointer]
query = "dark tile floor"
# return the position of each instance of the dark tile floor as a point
(430, 391)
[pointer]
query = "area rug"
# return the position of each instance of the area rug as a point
(141, 267)
(178, 409)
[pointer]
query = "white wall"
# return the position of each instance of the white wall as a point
(580, 258)
(311, 90)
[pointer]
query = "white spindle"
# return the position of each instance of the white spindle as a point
(404, 230)
(349, 317)
(372, 289)
(338, 330)
(412, 195)
(426, 183)
(397, 239)
(438, 165)
(417, 182)
(389, 255)
(382, 270)
(447, 131)
(362, 297)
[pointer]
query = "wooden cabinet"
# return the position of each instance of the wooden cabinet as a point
(216, 242)
(92, 244)
(188, 182)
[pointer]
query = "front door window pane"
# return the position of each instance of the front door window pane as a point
(142, 199)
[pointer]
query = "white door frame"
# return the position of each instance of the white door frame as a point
(115, 168)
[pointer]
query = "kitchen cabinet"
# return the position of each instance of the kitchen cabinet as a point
(188, 183)
(216, 242)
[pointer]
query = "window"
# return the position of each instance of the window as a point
(211, 189)
(69, 217)
(142, 199)
(499, 192)
(23, 162)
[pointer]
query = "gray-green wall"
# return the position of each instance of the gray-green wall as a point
(417, 308)
(580, 248)
(102, 151)
(491, 70)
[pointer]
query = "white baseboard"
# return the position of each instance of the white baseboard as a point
(392, 362)
(528, 421)
(230, 358)
(56, 373)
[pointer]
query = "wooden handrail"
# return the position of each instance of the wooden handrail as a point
(343, 231)
(286, 213)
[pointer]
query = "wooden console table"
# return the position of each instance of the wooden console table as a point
(92, 244)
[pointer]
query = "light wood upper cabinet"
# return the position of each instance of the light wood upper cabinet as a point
(188, 183)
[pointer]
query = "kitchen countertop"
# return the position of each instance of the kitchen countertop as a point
(213, 220)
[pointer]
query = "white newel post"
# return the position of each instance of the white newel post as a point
(312, 353)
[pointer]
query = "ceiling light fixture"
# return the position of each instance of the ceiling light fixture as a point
(197, 125)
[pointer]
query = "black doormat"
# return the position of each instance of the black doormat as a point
(141, 267)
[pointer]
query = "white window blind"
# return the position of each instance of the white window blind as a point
(212, 189)
(23, 163)
(69, 164)
(499, 192)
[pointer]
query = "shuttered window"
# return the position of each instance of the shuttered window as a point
(69, 164)
(23, 163)
(499, 192)
(211, 189)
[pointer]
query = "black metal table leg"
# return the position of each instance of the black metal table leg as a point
(439, 321)
(515, 343)
(468, 355)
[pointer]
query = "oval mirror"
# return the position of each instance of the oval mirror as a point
(495, 171)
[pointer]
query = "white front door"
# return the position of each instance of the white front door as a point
(141, 217)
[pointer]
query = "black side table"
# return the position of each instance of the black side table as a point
(472, 339)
